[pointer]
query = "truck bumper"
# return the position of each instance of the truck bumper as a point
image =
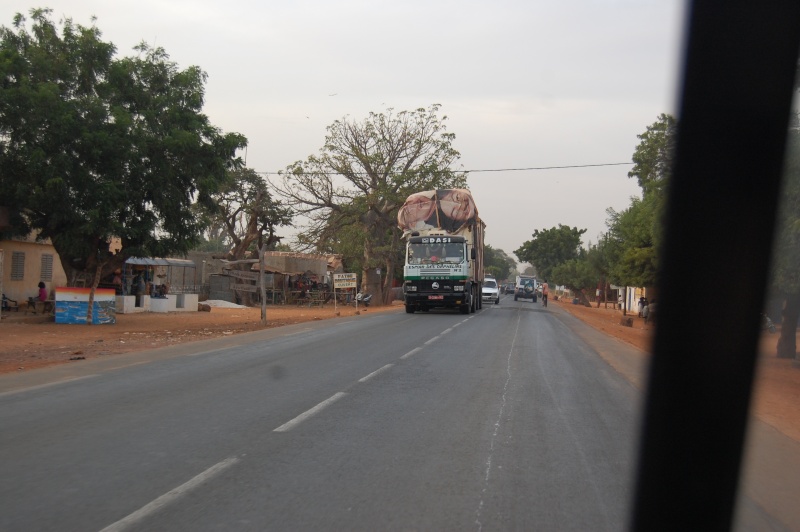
(423, 301)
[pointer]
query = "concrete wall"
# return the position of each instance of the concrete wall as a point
(32, 251)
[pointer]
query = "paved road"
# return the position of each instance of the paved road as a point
(501, 420)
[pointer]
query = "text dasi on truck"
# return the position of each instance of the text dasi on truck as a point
(444, 251)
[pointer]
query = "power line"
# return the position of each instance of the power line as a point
(544, 167)
(486, 169)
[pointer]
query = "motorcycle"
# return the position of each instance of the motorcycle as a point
(363, 299)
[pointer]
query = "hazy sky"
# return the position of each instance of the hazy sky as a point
(524, 84)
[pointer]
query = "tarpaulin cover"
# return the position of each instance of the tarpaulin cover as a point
(447, 209)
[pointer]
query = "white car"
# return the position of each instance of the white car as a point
(491, 292)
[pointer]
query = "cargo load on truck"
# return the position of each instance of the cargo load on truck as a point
(444, 250)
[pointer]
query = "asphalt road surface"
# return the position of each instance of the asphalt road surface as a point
(501, 420)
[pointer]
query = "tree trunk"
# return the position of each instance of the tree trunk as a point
(387, 283)
(390, 264)
(262, 289)
(97, 276)
(625, 302)
(584, 298)
(377, 294)
(787, 343)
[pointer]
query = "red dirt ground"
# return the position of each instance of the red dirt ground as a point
(30, 342)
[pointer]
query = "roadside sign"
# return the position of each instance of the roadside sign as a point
(344, 280)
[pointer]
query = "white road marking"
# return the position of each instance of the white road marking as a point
(446, 331)
(145, 511)
(376, 372)
(47, 385)
(301, 331)
(489, 459)
(433, 339)
(411, 353)
(289, 425)
(212, 351)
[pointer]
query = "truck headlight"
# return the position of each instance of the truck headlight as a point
(411, 288)
(458, 288)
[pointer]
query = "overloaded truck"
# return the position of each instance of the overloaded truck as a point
(444, 251)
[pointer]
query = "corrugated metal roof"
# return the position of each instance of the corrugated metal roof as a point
(156, 261)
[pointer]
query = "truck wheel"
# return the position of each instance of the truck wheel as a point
(464, 308)
(534, 299)
(515, 297)
(409, 309)
(473, 305)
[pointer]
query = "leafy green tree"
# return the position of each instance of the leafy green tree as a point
(551, 247)
(351, 191)
(654, 155)
(635, 234)
(631, 236)
(93, 147)
(600, 258)
(576, 274)
(498, 263)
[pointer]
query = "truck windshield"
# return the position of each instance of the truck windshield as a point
(423, 253)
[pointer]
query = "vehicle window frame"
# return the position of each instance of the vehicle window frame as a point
(735, 101)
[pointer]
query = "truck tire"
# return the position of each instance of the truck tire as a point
(409, 309)
(464, 308)
(473, 305)
(515, 297)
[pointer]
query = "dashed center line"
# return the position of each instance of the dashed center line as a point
(411, 353)
(289, 425)
(376, 372)
(151, 508)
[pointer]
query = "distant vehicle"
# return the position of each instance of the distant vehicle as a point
(508, 288)
(525, 288)
(490, 290)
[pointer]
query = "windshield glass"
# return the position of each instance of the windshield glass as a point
(423, 253)
(491, 384)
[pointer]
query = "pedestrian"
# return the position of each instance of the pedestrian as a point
(42, 291)
(641, 306)
(545, 292)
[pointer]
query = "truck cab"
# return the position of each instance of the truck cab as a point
(437, 274)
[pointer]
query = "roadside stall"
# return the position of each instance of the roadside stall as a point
(158, 285)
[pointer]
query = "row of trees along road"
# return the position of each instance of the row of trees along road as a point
(627, 254)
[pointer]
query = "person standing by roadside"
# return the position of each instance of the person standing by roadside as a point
(42, 291)
(545, 292)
